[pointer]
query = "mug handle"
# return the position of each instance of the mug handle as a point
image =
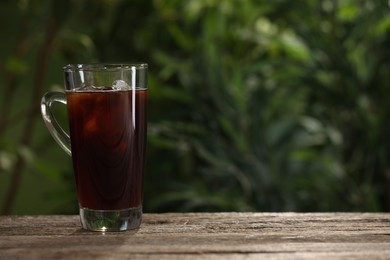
(59, 135)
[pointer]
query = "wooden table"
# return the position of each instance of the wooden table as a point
(203, 236)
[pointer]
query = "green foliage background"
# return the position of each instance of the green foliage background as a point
(254, 105)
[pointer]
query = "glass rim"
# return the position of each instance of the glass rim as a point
(105, 66)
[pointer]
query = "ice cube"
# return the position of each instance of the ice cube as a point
(87, 87)
(90, 88)
(120, 85)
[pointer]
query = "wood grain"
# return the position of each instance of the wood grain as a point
(203, 235)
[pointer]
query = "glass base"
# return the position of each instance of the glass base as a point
(111, 220)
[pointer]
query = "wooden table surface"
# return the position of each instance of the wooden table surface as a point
(203, 236)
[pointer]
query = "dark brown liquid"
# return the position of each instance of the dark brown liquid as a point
(108, 138)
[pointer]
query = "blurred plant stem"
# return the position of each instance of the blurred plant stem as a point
(32, 113)
(11, 78)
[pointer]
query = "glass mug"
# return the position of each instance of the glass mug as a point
(106, 105)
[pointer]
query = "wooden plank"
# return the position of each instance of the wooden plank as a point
(200, 235)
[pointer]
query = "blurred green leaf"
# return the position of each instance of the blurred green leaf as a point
(16, 66)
